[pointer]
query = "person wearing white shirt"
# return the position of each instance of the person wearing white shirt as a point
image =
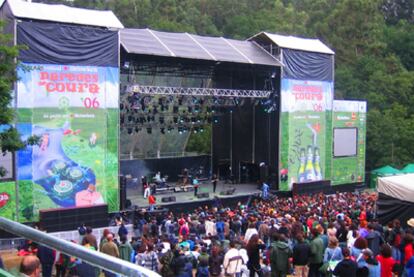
(233, 261)
(250, 232)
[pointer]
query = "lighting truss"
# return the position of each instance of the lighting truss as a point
(156, 90)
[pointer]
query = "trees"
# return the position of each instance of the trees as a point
(9, 137)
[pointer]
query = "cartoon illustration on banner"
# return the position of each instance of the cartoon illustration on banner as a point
(73, 109)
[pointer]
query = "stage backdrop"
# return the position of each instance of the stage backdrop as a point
(67, 95)
(349, 129)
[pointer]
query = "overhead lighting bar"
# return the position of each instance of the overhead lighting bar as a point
(156, 90)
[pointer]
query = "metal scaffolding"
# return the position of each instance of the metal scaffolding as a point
(215, 92)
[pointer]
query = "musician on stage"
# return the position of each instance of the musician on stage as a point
(214, 181)
(195, 184)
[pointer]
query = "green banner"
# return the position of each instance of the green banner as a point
(305, 132)
(74, 112)
(349, 132)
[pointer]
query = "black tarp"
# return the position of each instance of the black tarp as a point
(303, 65)
(53, 43)
(390, 208)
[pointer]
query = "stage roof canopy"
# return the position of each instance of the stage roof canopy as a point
(63, 14)
(189, 46)
(297, 43)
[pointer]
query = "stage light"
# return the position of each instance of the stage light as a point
(175, 119)
(193, 120)
(195, 130)
(149, 130)
(215, 120)
(170, 129)
(162, 130)
(180, 130)
(201, 129)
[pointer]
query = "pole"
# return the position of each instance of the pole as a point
(92, 257)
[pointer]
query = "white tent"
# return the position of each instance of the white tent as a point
(396, 198)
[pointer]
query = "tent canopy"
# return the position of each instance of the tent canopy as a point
(63, 14)
(296, 43)
(385, 171)
(409, 168)
(185, 45)
(396, 198)
(400, 186)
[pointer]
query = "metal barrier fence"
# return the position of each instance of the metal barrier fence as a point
(91, 257)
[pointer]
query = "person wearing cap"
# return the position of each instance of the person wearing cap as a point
(368, 264)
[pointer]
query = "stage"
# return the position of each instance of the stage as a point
(242, 191)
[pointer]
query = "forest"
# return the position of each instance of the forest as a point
(373, 41)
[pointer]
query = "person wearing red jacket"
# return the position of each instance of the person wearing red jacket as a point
(152, 201)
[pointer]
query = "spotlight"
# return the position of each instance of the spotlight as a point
(170, 129)
(149, 130)
(215, 120)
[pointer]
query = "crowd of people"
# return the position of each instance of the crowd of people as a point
(307, 235)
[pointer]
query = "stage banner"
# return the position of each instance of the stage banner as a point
(74, 111)
(306, 109)
(349, 135)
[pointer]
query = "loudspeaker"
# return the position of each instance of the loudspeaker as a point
(168, 199)
(122, 192)
(203, 195)
(229, 191)
(63, 219)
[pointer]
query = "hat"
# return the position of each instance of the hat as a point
(367, 252)
(410, 222)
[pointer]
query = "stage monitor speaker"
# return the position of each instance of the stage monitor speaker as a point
(203, 195)
(168, 199)
(229, 191)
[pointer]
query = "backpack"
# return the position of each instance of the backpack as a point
(202, 271)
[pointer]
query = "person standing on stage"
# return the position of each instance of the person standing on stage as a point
(265, 190)
(214, 180)
(195, 184)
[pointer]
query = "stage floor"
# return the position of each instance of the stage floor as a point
(137, 198)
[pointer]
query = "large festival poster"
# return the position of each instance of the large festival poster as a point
(350, 115)
(305, 126)
(8, 200)
(74, 112)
